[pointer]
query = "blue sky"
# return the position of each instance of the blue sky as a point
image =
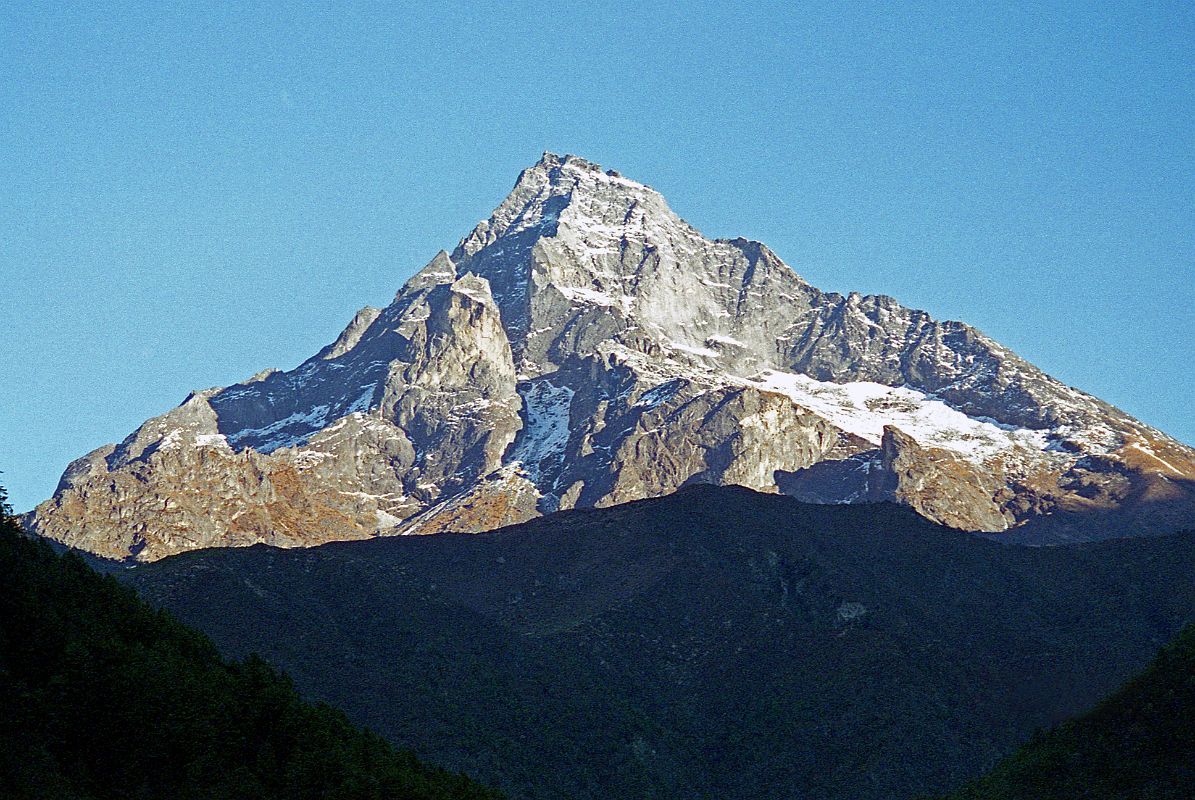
(188, 196)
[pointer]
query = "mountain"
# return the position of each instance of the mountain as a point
(1138, 743)
(713, 643)
(584, 347)
(103, 697)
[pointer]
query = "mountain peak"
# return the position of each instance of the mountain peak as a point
(597, 200)
(586, 346)
(550, 160)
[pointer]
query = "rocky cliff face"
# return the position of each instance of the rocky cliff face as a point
(584, 346)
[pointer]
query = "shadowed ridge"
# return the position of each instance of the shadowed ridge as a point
(842, 652)
(1137, 743)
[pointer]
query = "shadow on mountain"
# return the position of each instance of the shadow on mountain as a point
(1151, 505)
(1138, 743)
(1161, 506)
(828, 482)
(100, 564)
(715, 643)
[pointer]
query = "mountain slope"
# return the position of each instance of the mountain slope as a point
(104, 697)
(1138, 743)
(714, 643)
(584, 346)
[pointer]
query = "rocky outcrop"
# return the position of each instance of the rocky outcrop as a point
(319, 469)
(352, 334)
(585, 346)
(187, 489)
(452, 391)
(938, 485)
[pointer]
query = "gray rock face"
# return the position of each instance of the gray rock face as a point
(349, 337)
(584, 346)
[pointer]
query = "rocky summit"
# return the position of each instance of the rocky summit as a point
(585, 346)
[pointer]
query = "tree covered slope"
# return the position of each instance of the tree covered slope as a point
(714, 643)
(1139, 744)
(103, 697)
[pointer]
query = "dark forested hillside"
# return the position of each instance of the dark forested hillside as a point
(1139, 744)
(715, 643)
(103, 697)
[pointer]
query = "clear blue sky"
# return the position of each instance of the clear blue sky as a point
(189, 196)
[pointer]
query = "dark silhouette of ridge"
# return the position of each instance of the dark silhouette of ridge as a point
(716, 642)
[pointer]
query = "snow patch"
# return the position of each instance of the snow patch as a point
(581, 296)
(305, 459)
(473, 292)
(171, 439)
(275, 435)
(659, 394)
(362, 402)
(387, 520)
(705, 352)
(546, 431)
(1145, 448)
(863, 408)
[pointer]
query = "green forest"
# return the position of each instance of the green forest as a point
(102, 696)
(1138, 744)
